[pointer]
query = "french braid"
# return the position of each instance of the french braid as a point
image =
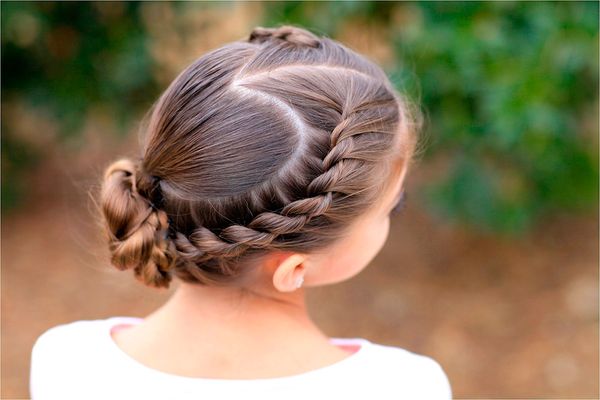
(331, 140)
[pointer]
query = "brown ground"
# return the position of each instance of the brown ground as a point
(504, 318)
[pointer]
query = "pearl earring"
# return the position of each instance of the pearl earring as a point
(299, 282)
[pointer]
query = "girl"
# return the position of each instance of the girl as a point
(270, 165)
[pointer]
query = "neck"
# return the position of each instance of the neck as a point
(230, 333)
(229, 315)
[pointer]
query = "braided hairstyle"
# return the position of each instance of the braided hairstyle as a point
(279, 141)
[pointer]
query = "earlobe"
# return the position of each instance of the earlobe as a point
(289, 274)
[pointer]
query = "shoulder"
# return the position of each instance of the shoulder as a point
(66, 337)
(62, 353)
(414, 375)
(57, 347)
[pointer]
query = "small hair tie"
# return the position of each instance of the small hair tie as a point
(148, 186)
(171, 233)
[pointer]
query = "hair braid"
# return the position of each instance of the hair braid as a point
(266, 227)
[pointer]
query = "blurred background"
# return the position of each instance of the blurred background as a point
(492, 268)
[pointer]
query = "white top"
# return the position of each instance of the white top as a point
(80, 360)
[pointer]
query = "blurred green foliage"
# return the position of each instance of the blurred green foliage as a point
(68, 57)
(509, 86)
(510, 89)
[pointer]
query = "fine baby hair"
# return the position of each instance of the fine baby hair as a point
(279, 141)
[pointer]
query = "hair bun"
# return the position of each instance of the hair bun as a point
(288, 33)
(135, 228)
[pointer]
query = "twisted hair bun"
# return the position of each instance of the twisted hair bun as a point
(288, 33)
(136, 230)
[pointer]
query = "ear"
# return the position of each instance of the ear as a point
(289, 273)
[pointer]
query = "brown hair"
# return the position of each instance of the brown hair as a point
(278, 141)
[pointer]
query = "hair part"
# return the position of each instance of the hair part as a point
(277, 142)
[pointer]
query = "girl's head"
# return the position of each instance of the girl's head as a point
(284, 150)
